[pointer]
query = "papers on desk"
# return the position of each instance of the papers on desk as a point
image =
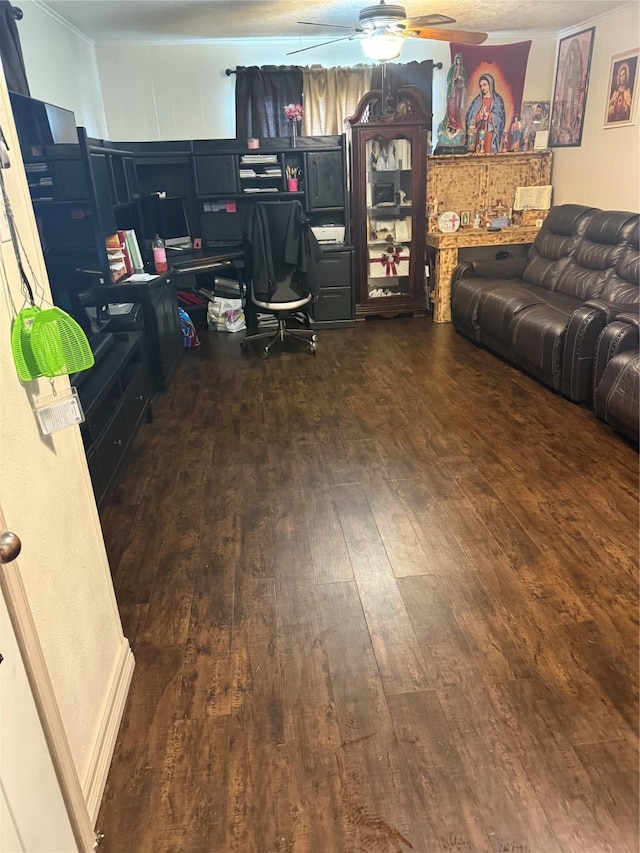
(258, 158)
(140, 276)
(260, 190)
(118, 308)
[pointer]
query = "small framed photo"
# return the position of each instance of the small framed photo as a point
(621, 95)
(465, 218)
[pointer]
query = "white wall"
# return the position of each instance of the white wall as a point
(180, 91)
(604, 170)
(47, 499)
(61, 66)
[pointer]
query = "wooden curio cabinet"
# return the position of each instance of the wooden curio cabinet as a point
(388, 160)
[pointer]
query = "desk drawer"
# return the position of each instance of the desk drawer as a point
(335, 303)
(334, 269)
(112, 444)
(137, 396)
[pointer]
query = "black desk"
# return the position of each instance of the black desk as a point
(197, 272)
(212, 261)
(163, 334)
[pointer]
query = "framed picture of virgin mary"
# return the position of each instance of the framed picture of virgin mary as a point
(570, 90)
(621, 95)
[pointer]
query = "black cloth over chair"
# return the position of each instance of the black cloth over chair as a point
(281, 279)
(279, 243)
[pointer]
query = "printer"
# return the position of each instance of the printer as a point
(329, 235)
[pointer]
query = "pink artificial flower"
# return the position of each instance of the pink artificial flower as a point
(293, 112)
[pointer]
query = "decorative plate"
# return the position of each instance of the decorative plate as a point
(448, 222)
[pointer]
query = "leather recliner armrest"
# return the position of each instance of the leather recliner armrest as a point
(611, 309)
(621, 335)
(632, 319)
(581, 340)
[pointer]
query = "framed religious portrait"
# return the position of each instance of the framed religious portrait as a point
(621, 95)
(465, 218)
(535, 126)
(570, 89)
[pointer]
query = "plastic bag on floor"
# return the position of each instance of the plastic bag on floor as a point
(189, 335)
(225, 315)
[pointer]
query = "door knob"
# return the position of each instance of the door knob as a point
(10, 546)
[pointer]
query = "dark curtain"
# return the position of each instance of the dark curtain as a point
(261, 96)
(11, 52)
(419, 75)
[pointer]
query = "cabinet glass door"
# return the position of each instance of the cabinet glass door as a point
(388, 190)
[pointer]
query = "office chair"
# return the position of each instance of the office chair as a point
(281, 253)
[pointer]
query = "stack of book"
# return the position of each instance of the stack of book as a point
(124, 254)
(132, 250)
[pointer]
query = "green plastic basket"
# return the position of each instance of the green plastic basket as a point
(59, 344)
(23, 356)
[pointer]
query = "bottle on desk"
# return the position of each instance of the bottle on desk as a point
(159, 255)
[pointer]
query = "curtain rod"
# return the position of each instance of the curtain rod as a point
(240, 68)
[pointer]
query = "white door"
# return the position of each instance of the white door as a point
(33, 815)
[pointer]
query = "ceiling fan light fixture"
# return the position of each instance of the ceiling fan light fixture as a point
(382, 47)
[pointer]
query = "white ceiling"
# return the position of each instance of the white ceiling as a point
(178, 20)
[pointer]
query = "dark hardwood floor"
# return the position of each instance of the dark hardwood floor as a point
(382, 599)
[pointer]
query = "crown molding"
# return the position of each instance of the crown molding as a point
(63, 23)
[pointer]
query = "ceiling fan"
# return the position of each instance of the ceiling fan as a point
(383, 28)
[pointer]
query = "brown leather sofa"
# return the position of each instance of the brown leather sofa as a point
(545, 313)
(616, 380)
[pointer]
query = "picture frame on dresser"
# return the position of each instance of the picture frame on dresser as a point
(621, 99)
(570, 89)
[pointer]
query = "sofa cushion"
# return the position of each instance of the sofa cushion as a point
(527, 325)
(496, 313)
(562, 230)
(466, 296)
(537, 339)
(601, 247)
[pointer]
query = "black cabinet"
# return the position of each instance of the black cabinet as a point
(388, 145)
(216, 174)
(325, 179)
(163, 311)
(116, 398)
(163, 334)
(335, 305)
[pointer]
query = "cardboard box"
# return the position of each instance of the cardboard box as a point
(388, 261)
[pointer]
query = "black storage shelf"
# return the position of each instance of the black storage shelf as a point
(51, 202)
(299, 194)
(116, 397)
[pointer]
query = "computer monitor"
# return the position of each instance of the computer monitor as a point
(166, 217)
(39, 123)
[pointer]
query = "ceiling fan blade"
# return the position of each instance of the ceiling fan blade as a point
(450, 35)
(320, 44)
(428, 21)
(333, 26)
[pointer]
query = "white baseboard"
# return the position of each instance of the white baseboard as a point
(96, 778)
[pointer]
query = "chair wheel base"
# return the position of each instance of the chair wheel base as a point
(280, 334)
